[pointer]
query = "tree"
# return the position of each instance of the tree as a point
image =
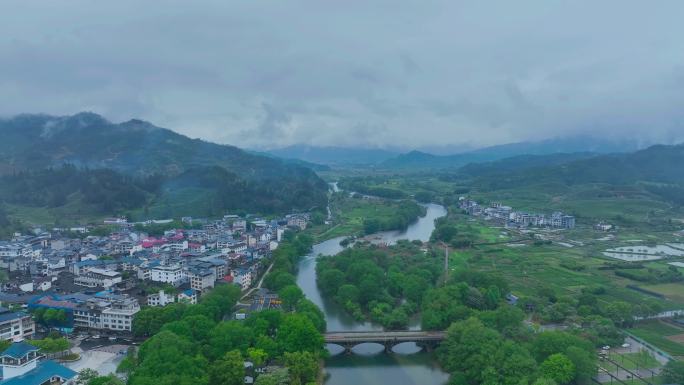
(298, 333)
(347, 293)
(228, 370)
(110, 379)
(330, 281)
(544, 381)
(227, 336)
(469, 348)
(290, 295)
(85, 375)
(559, 368)
(673, 372)
(257, 356)
(302, 366)
(620, 312)
(277, 377)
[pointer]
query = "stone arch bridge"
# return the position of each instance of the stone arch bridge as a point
(425, 339)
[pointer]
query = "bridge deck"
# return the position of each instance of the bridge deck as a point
(381, 337)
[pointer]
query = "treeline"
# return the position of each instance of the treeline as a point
(496, 348)
(367, 186)
(105, 190)
(404, 213)
(205, 191)
(193, 345)
(383, 285)
(446, 231)
(650, 275)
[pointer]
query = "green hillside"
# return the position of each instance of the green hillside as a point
(82, 166)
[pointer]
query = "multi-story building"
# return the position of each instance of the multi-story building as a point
(119, 315)
(16, 326)
(103, 311)
(172, 274)
(96, 277)
(201, 279)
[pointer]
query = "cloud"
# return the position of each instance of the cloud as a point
(426, 73)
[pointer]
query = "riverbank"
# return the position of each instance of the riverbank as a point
(356, 215)
(367, 366)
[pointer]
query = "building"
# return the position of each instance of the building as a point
(242, 278)
(21, 366)
(16, 326)
(102, 311)
(160, 299)
(119, 315)
(298, 221)
(201, 279)
(172, 274)
(96, 277)
(188, 296)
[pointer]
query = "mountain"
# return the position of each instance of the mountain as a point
(521, 162)
(580, 144)
(654, 171)
(49, 151)
(334, 156)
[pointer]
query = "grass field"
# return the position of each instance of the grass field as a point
(658, 334)
(673, 291)
(653, 380)
(635, 360)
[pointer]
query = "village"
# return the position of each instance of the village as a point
(505, 215)
(90, 287)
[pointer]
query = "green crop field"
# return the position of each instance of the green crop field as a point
(657, 333)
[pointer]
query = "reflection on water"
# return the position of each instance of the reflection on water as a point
(407, 365)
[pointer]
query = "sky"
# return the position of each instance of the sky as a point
(371, 73)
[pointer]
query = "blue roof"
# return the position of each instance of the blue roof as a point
(189, 292)
(18, 350)
(42, 373)
(6, 316)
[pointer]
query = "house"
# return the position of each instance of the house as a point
(16, 326)
(298, 221)
(160, 299)
(21, 366)
(188, 296)
(603, 226)
(242, 278)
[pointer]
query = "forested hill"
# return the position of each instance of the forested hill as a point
(132, 147)
(658, 164)
(153, 171)
(417, 160)
(656, 170)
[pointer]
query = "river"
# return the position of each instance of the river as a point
(369, 365)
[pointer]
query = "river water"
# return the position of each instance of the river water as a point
(369, 365)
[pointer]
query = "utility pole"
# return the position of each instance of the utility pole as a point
(446, 264)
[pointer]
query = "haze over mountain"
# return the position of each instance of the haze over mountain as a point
(424, 159)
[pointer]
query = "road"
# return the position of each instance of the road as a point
(258, 286)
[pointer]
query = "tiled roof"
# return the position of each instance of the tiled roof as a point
(18, 350)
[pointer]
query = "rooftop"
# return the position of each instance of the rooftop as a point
(18, 350)
(42, 373)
